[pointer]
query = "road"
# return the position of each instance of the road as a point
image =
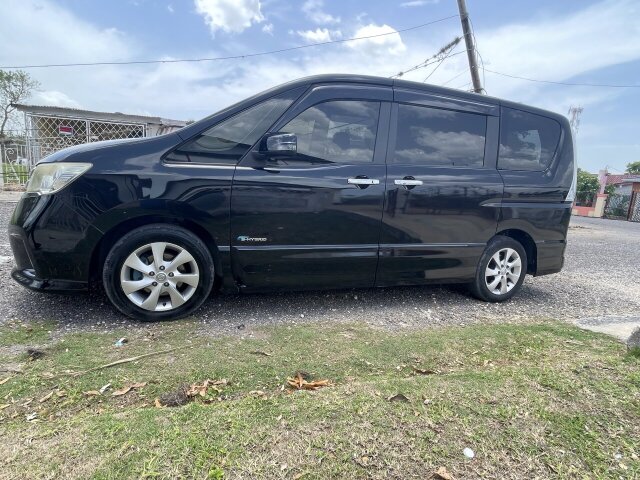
(600, 284)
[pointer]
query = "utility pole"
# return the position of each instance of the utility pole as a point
(471, 47)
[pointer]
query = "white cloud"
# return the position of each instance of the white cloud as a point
(389, 44)
(314, 12)
(41, 32)
(553, 48)
(560, 48)
(53, 98)
(170, 8)
(418, 3)
(231, 16)
(319, 35)
(268, 28)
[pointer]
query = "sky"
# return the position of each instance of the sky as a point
(574, 41)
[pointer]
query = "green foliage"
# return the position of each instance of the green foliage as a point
(633, 167)
(15, 87)
(587, 186)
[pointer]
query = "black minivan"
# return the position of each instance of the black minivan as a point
(331, 181)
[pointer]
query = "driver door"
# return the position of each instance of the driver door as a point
(312, 219)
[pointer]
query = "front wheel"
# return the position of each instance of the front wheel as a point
(158, 272)
(501, 270)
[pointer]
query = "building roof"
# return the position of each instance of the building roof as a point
(93, 115)
(625, 178)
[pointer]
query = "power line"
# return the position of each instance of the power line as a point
(440, 63)
(570, 84)
(423, 65)
(463, 86)
(230, 57)
(453, 78)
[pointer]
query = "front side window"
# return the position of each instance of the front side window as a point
(527, 141)
(339, 131)
(228, 141)
(433, 136)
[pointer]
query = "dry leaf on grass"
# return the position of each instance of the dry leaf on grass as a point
(46, 397)
(300, 383)
(398, 397)
(127, 389)
(157, 403)
(442, 474)
(91, 393)
(423, 371)
(5, 380)
(4, 405)
(260, 352)
(196, 389)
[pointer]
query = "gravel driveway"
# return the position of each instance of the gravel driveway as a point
(601, 280)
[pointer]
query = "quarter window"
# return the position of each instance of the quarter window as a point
(228, 141)
(339, 131)
(433, 136)
(527, 141)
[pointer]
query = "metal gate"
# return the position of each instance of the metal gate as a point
(634, 211)
(14, 164)
(617, 206)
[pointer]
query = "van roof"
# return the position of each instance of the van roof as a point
(426, 87)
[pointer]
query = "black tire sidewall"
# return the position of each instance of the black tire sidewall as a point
(479, 288)
(149, 234)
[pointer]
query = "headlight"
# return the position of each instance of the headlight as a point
(51, 177)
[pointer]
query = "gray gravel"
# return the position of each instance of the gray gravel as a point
(601, 280)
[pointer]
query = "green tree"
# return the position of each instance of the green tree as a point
(587, 186)
(15, 87)
(633, 167)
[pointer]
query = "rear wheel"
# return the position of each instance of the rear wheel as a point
(158, 272)
(501, 270)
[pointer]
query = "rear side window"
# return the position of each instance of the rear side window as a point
(228, 141)
(527, 141)
(337, 131)
(433, 136)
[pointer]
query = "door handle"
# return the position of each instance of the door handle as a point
(363, 181)
(408, 182)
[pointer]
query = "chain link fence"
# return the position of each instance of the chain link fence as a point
(44, 135)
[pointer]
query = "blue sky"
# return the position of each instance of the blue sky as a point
(575, 41)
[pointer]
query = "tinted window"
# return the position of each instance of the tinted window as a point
(527, 141)
(229, 140)
(341, 131)
(432, 136)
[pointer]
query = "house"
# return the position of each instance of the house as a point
(625, 202)
(49, 129)
(624, 184)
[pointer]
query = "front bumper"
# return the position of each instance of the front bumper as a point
(52, 245)
(27, 278)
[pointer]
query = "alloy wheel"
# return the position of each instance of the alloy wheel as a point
(159, 276)
(503, 271)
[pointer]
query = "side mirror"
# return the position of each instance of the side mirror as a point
(280, 143)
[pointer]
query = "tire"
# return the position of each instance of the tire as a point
(168, 289)
(508, 279)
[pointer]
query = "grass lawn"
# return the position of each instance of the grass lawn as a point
(532, 401)
(18, 174)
